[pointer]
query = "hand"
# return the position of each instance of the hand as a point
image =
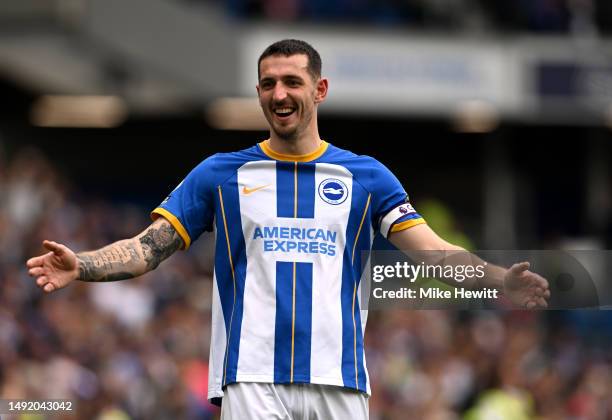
(55, 269)
(525, 288)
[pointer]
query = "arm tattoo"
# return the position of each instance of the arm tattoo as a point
(158, 243)
(124, 259)
(111, 263)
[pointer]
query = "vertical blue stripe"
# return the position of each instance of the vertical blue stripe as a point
(351, 273)
(306, 190)
(231, 305)
(285, 329)
(303, 322)
(292, 339)
(285, 189)
(284, 312)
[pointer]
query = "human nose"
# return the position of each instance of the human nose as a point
(280, 93)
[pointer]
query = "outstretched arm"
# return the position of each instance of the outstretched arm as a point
(121, 260)
(523, 287)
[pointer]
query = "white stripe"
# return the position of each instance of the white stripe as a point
(217, 345)
(391, 217)
(256, 353)
(365, 277)
(326, 342)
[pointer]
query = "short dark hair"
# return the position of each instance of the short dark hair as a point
(289, 47)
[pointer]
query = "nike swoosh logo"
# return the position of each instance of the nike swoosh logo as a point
(247, 191)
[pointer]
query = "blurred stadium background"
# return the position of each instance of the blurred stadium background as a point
(496, 116)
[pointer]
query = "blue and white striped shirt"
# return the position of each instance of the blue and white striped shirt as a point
(290, 231)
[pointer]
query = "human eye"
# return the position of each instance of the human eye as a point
(293, 82)
(266, 84)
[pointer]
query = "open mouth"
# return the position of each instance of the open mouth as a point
(284, 112)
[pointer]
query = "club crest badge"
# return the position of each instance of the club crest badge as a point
(333, 191)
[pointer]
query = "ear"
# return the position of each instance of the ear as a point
(321, 90)
(258, 93)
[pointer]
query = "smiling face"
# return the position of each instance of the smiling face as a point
(288, 95)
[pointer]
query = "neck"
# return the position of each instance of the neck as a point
(305, 143)
(299, 146)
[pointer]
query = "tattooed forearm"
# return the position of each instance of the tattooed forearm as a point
(158, 243)
(132, 257)
(118, 261)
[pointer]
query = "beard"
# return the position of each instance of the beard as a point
(289, 133)
(286, 133)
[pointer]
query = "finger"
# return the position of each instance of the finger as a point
(518, 268)
(41, 281)
(542, 282)
(542, 303)
(530, 304)
(541, 294)
(36, 271)
(36, 261)
(54, 247)
(49, 287)
(536, 281)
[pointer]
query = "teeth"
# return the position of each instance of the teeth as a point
(283, 110)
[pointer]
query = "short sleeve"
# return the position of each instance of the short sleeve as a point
(391, 209)
(190, 206)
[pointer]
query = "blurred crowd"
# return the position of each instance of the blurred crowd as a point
(539, 16)
(138, 349)
(123, 350)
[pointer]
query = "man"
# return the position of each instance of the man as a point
(292, 216)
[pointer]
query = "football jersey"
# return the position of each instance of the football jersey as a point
(290, 232)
